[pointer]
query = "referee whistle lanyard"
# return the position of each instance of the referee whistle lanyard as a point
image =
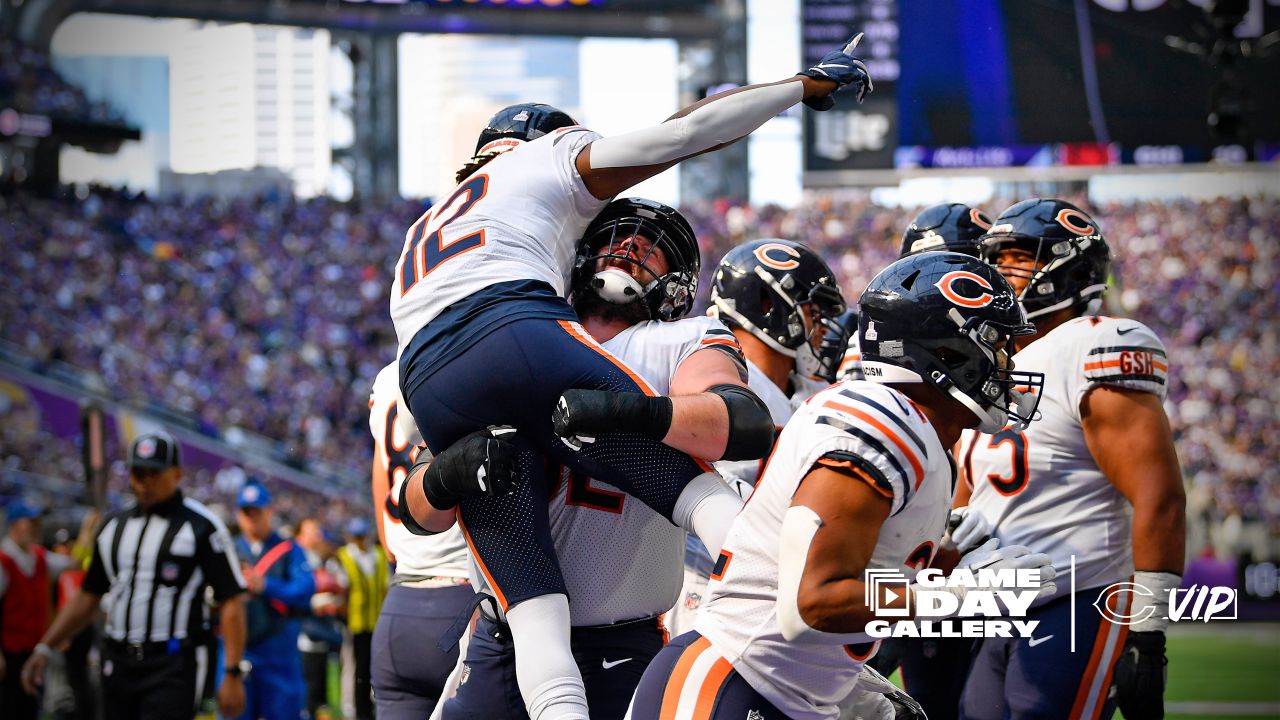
(265, 563)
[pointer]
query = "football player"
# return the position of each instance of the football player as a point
(778, 297)
(430, 587)
(934, 669)
(1094, 480)
(486, 338)
(861, 478)
(621, 560)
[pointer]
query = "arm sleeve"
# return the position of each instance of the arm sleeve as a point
(297, 589)
(217, 557)
(720, 121)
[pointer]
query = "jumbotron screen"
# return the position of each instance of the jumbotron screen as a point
(1048, 82)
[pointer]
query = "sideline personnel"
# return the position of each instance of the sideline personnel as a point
(156, 558)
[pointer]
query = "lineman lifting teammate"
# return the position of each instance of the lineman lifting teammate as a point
(776, 296)
(616, 593)
(860, 478)
(1096, 478)
(486, 338)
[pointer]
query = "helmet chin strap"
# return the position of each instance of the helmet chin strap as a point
(617, 286)
(991, 420)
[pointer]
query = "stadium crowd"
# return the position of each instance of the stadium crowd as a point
(268, 316)
(29, 82)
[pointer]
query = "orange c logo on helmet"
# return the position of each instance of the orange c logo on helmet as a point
(1075, 221)
(980, 218)
(762, 254)
(950, 293)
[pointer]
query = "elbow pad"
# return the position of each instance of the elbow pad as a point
(402, 508)
(799, 525)
(750, 424)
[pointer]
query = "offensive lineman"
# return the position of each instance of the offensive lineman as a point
(621, 560)
(430, 586)
(485, 338)
(1096, 478)
(777, 296)
(861, 478)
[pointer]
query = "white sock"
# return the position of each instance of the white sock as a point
(549, 680)
(706, 507)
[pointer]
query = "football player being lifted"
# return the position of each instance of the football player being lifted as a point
(1094, 479)
(778, 297)
(861, 478)
(486, 338)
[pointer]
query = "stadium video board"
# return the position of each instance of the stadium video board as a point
(1004, 83)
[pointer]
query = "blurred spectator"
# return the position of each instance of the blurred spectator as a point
(27, 574)
(321, 638)
(280, 587)
(366, 576)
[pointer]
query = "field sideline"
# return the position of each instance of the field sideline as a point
(1224, 670)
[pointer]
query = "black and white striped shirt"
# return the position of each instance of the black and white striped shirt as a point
(156, 564)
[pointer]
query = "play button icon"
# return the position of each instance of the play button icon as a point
(888, 596)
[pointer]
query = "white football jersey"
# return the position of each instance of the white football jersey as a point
(1041, 487)
(883, 428)
(442, 555)
(517, 218)
(621, 560)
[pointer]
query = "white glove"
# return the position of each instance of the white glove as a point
(1016, 557)
(991, 556)
(966, 530)
(875, 698)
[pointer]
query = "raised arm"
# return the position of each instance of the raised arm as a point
(610, 165)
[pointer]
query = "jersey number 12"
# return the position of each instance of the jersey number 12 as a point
(425, 254)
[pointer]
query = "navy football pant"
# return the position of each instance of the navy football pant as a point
(514, 376)
(1039, 676)
(714, 690)
(409, 670)
(611, 659)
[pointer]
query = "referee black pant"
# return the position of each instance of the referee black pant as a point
(150, 683)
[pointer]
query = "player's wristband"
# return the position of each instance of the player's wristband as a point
(42, 649)
(640, 413)
(1151, 608)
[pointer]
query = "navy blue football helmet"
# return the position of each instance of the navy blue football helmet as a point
(954, 227)
(668, 297)
(949, 320)
(1066, 241)
(832, 353)
(762, 287)
(521, 122)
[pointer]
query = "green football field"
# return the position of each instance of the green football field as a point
(1225, 670)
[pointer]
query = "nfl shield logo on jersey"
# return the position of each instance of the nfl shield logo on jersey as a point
(692, 600)
(754, 715)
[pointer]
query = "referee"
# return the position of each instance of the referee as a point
(156, 558)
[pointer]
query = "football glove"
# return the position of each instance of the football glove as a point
(482, 463)
(842, 68)
(966, 530)
(875, 698)
(581, 415)
(1140, 676)
(991, 556)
